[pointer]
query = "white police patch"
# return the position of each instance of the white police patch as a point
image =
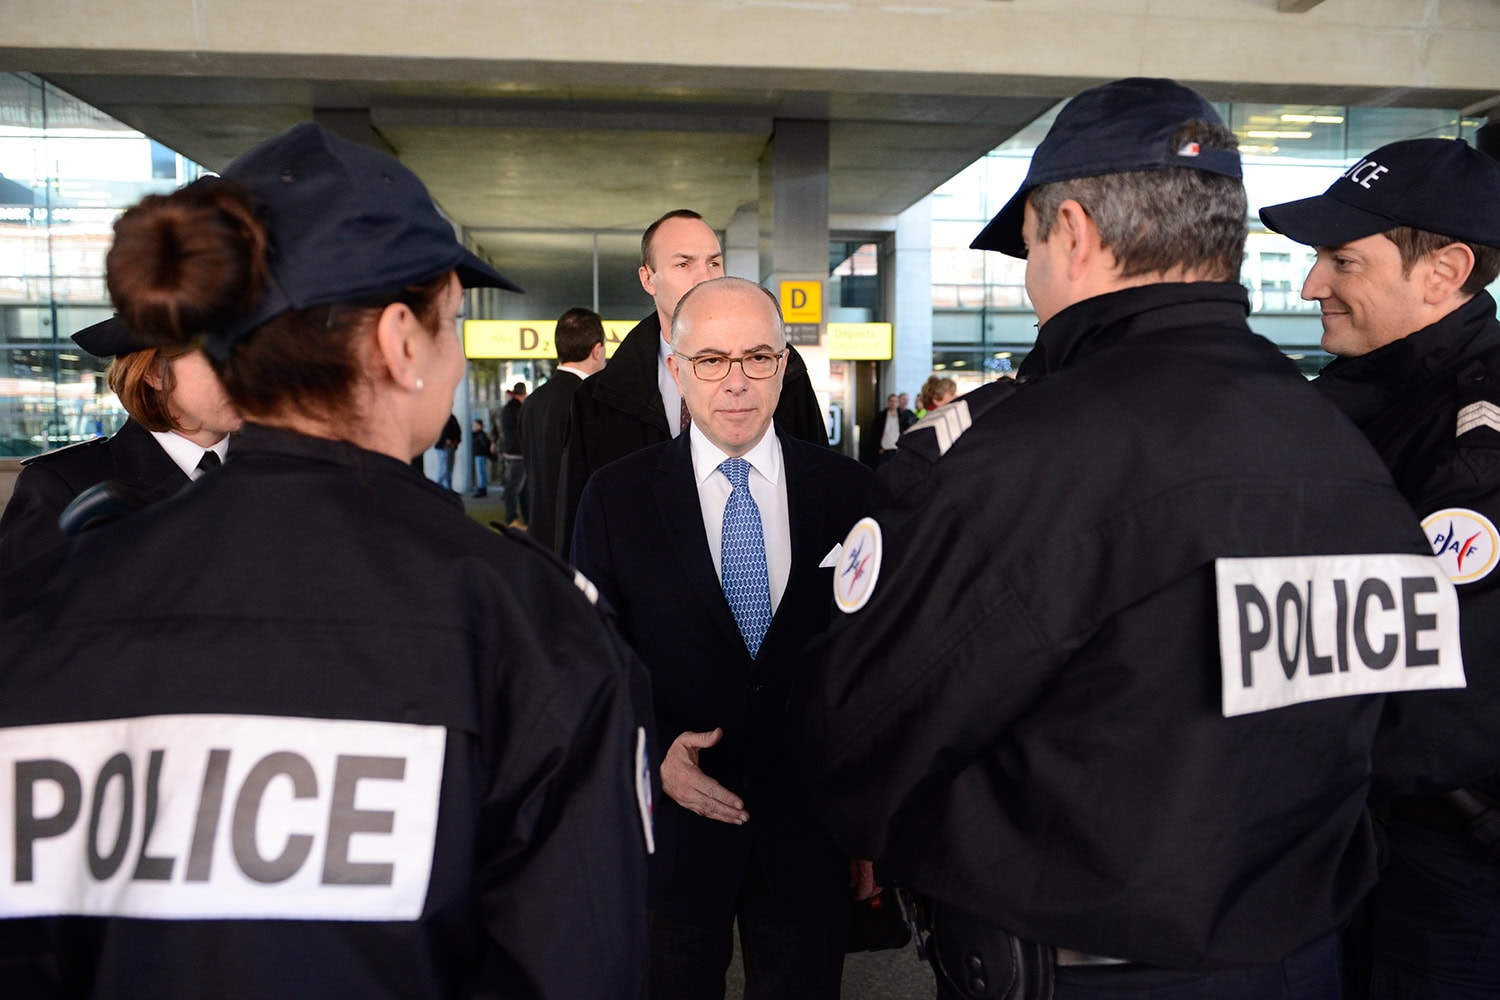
(858, 567)
(1464, 541)
(643, 789)
(219, 817)
(1303, 628)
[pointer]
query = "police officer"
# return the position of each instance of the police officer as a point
(1407, 241)
(178, 429)
(1101, 694)
(297, 732)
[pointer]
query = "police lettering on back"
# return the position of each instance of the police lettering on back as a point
(1299, 629)
(219, 816)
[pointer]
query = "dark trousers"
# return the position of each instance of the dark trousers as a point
(1435, 919)
(785, 958)
(1311, 973)
(515, 488)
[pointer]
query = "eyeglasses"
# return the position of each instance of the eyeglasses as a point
(715, 367)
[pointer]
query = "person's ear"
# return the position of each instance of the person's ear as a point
(398, 346)
(1447, 269)
(1080, 236)
(648, 280)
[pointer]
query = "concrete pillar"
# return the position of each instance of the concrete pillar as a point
(793, 223)
(742, 244)
(908, 287)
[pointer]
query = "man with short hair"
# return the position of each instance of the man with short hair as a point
(1407, 241)
(579, 339)
(517, 510)
(635, 403)
(1093, 694)
(715, 550)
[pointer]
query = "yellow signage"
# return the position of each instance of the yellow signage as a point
(858, 341)
(802, 301)
(512, 339)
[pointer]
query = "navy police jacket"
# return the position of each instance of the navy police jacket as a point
(1430, 404)
(296, 733)
(1077, 693)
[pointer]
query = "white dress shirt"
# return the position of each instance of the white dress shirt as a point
(186, 454)
(671, 398)
(767, 486)
(571, 370)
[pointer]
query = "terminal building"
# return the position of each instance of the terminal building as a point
(846, 151)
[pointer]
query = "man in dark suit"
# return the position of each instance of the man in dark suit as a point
(716, 550)
(878, 445)
(545, 417)
(634, 403)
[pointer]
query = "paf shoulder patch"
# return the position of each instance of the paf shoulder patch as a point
(1297, 629)
(1464, 541)
(858, 566)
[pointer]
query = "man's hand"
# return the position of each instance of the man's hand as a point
(862, 879)
(689, 787)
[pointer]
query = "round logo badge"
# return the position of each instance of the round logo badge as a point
(1464, 541)
(858, 566)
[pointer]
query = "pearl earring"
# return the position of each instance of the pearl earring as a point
(420, 385)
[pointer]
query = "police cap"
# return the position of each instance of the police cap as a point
(1442, 186)
(345, 222)
(1117, 128)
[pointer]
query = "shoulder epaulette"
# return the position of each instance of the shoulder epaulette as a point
(934, 434)
(76, 445)
(1478, 403)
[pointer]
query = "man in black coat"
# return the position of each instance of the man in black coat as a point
(517, 505)
(716, 551)
(634, 403)
(579, 339)
(1407, 240)
(878, 445)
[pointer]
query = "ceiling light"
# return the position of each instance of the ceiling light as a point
(1279, 133)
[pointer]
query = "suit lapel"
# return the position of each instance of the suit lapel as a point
(805, 516)
(676, 494)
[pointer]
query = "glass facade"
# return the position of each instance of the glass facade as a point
(66, 173)
(982, 322)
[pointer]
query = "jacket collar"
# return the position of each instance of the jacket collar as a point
(1086, 327)
(254, 441)
(1367, 386)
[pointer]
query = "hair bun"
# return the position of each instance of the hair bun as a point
(187, 262)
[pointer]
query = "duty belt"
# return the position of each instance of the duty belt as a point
(978, 961)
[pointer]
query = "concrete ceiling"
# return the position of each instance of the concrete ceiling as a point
(530, 171)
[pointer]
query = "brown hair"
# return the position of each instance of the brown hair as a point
(196, 260)
(1156, 221)
(650, 233)
(1416, 244)
(578, 330)
(129, 379)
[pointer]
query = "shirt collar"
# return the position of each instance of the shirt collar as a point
(572, 370)
(764, 458)
(184, 453)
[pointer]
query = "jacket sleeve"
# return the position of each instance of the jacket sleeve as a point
(564, 833)
(29, 525)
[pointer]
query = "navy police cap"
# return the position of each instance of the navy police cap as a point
(1442, 186)
(1116, 128)
(345, 222)
(110, 338)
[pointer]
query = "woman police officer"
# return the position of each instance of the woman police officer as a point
(179, 416)
(305, 729)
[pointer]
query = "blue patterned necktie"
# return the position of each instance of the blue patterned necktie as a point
(742, 554)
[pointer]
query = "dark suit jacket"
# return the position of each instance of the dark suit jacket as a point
(640, 538)
(619, 411)
(544, 434)
(49, 482)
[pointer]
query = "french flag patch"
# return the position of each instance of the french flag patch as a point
(1188, 149)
